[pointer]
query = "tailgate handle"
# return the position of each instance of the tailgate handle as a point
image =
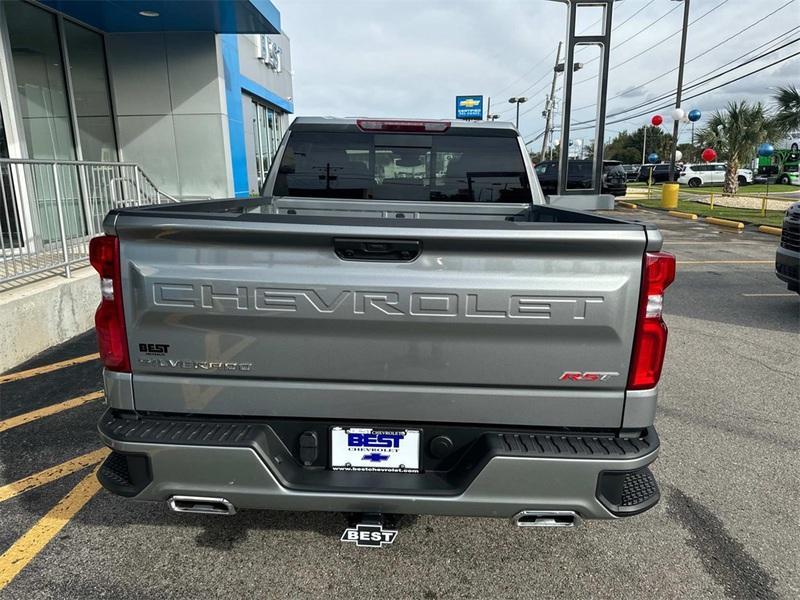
(370, 249)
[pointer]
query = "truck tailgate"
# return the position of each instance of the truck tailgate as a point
(263, 318)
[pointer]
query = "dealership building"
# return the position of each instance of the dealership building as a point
(197, 93)
(115, 103)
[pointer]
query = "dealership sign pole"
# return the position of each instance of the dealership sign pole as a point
(603, 41)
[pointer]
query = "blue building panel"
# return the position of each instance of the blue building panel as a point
(259, 91)
(233, 100)
(219, 16)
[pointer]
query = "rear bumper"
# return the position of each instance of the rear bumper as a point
(500, 474)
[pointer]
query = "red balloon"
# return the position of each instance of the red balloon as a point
(657, 120)
(708, 154)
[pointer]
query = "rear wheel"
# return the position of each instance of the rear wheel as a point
(742, 180)
(784, 179)
(695, 182)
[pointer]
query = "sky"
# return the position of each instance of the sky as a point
(410, 58)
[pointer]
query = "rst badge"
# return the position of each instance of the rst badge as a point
(369, 535)
(589, 376)
(369, 449)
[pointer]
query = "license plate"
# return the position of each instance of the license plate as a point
(370, 449)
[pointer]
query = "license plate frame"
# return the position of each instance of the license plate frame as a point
(375, 449)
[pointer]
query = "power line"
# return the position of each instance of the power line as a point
(540, 62)
(549, 56)
(696, 83)
(705, 52)
(623, 42)
(755, 72)
(656, 45)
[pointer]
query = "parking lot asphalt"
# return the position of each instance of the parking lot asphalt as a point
(726, 527)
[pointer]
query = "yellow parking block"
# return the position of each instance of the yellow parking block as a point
(770, 230)
(12, 490)
(725, 223)
(627, 204)
(25, 549)
(725, 262)
(35, 415)
(47, 368)
(682, 215)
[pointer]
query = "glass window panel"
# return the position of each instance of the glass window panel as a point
(400, 167)
(264, 141)
(257, 141)
(90, 89)
(38, 67)
(3, 138)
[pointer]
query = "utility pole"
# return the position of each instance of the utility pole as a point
(489, 109)
(551, 99)
(679, 90)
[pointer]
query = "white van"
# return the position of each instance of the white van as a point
(710, 174)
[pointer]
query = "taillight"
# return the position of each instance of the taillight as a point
(403, 126)
(109, 319)
(650, 340)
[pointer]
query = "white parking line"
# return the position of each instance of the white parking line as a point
(768, 295)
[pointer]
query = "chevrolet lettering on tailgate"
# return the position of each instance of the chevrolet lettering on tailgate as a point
(232, 298)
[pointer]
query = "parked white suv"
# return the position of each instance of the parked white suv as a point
(709, 174)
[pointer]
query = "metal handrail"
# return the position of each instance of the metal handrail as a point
(50, 209)
(36, 161)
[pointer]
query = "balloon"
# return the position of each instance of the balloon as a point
(677, 114)
(708, 154)
(694, 115)
(678, 155)
(652, 158)
(766, 150)
(657, 120)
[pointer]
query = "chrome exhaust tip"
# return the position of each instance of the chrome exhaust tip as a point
(546, 518)
(201, 505)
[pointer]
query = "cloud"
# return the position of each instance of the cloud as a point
(411, 58)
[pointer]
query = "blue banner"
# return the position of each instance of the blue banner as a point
(469, 107)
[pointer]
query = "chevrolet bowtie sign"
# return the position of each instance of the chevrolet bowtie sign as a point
(469, 107)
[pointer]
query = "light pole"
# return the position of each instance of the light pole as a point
(644, 144)
(679, 89)
(517, 100)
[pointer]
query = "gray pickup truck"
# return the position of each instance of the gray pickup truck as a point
(400, 324)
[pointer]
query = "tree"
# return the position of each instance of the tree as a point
(787, 103)
(690, 153)
(735, 133)
(627, 147)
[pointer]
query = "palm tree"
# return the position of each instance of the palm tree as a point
(735, 133)
(787, 101)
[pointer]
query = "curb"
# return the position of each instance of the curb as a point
(682, 215)
(725, 222)
(628, 204)
(770, 230)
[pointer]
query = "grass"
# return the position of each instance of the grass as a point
(754, 189)
(773, 217)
